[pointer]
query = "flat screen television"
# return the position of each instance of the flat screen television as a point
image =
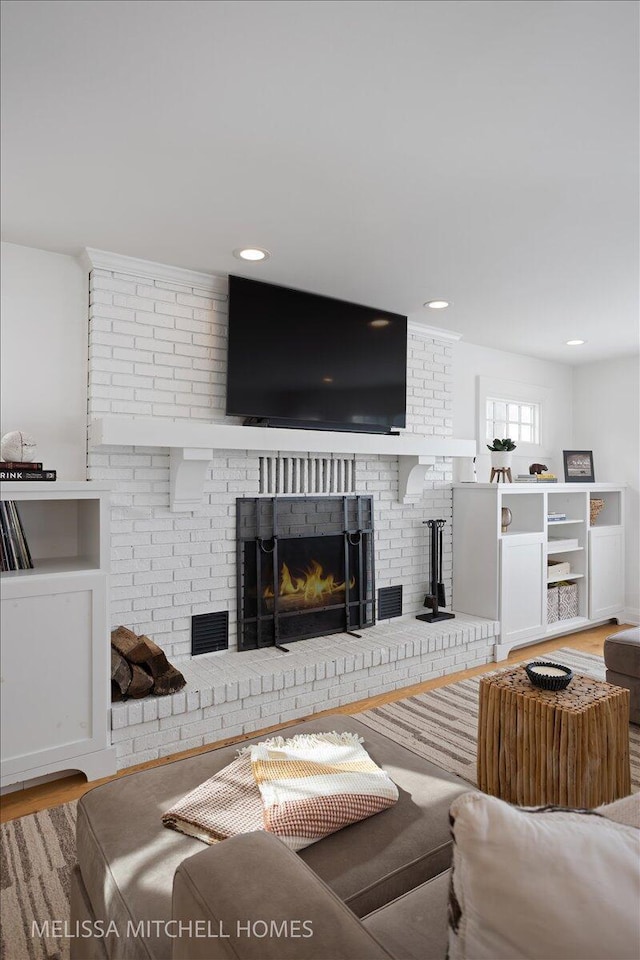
(301, 360)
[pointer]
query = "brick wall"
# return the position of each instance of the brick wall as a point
(158, 348)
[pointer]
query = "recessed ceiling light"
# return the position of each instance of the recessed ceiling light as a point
(379, 322)
(251, 253)
(327, 379)
(437, 304)
(574, 343)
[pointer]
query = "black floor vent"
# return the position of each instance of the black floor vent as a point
(389, 602)
(209, 632)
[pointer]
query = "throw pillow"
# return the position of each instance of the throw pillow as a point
(626, 810)
(541, 884)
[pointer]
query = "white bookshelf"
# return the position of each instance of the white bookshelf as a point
(55, 637)
(504, 575)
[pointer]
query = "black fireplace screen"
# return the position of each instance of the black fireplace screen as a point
(305, 568)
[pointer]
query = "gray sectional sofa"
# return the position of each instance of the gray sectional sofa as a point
(622, 660)
(376, 889)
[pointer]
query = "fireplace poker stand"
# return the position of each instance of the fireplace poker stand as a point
(436, 587)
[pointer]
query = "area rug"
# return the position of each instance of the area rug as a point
(37, 852)
(36, 857)
(441, 725)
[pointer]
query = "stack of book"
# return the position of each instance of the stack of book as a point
(536, 478)
(556, 517)
(12, 470)
(14, 549)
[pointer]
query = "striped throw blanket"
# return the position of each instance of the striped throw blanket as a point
(300, 789)
(225, 804)
(315, 784)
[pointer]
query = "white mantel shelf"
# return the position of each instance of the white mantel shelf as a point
(194, 445)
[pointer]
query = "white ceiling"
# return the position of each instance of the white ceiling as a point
(385, 152)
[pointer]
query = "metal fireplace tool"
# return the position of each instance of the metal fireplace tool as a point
(436, 597)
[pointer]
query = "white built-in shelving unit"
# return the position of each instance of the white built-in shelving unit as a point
(55, 639)
(504, 575)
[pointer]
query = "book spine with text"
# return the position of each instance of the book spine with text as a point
(27, 474)
(20, 465)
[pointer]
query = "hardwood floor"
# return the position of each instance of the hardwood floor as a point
(50, 794)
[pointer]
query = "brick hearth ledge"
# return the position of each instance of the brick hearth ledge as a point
(231, 694)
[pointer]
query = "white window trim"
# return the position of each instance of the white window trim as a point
(518, 392)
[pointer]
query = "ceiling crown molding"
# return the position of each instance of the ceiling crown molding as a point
(119, 263)
(424, 332)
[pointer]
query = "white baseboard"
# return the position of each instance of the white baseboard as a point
(631, 616)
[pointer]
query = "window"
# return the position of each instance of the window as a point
(522, 411)
(509, 418)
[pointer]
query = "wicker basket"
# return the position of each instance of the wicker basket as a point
(595, 506)
(567, 601)
(553, 603)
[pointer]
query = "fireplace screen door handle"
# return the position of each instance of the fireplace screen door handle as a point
(261, 543)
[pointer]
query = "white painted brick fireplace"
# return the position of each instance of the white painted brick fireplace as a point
(157, 348)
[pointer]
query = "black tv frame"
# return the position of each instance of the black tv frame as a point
(257, 420)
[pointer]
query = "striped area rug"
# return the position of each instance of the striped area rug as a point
(37, 852)
(36, 857)
(441, 725)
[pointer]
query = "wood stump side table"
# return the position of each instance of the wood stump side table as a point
(569, 747)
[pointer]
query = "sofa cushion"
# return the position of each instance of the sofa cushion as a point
(632, 684)
(542, 884)
(295, 916)
(128, 858)
(377, 860)
(622, 652)
(414, 927)
(83, 947)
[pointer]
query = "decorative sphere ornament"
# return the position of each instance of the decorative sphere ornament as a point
(18, 446)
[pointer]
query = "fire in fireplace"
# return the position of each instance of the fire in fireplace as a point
(311, 574)
(305, 568)
(311, 589)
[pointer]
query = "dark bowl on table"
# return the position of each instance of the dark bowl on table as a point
(545, 682)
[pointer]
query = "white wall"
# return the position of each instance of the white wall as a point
(44, 354)
(606, 404)
(471, 361)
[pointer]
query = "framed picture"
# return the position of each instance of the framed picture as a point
(578, 466)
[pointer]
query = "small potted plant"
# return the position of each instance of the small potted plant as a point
(501, 453)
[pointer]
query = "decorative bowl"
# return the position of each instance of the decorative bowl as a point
(549, 676)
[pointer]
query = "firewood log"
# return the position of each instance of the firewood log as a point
(141, 683)
(143, 651)
(120, 672)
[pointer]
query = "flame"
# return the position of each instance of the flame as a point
(313, 587)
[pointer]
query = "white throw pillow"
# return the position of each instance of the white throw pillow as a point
(546, 884)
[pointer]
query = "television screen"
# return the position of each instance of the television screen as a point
(301, 360)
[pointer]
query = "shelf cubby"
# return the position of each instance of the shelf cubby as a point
(611, 513)
(527, 512)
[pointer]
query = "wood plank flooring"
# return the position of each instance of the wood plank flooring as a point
(50, 794)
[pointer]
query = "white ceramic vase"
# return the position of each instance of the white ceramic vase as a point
(501, 459)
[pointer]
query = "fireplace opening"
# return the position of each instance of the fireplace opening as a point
(305, 568)
(310, 576)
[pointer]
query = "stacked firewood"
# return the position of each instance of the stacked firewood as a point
(139, 667)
